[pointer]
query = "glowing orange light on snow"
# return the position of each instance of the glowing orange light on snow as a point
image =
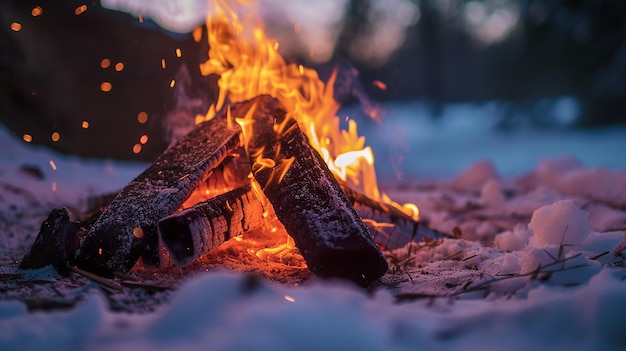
(249, 65)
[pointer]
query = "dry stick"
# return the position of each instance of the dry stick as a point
(128, 227)
(308, 200)
(206, 225)
(96, 278)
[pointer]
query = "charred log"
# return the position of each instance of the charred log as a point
(121, 234)
(206, 225)
(389, 226)
(55, 244)
(308, 200)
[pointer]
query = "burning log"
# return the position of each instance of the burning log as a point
(206, 225)
(124, 231)
(308, 200)
(389, 226)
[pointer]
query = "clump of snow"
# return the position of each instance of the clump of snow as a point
(569, 176)
(491, 193)
(513, 240)
(559, 223)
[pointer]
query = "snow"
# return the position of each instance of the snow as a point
(538, 264)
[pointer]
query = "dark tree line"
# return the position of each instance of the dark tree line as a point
(559, 47)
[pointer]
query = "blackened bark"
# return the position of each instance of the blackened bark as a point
(206, 225)
(122, 233)
(389, 226)
(309, 202)
(55, 244)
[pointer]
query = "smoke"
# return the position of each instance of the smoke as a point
(188, 100)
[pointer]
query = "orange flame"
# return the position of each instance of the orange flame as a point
(249, 65)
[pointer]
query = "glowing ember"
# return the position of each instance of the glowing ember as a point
(178, 53)
(85, 125)
(137, 148)
(37, 11)
(143, 139)
(249, 65)
(163, 63)
(27, 138)
(142, 117)
(80, 9)
(105, 63)
(106, 87)
(16, 27)
(55, 136)
(119, 66)
(53, 165)
(138, 232)
(380, 85)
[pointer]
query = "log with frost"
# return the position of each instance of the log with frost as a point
(308, 200)
(189, 233)
(124, 231)
(389, 226)
(55, 244)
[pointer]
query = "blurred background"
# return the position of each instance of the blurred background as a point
(95, 78)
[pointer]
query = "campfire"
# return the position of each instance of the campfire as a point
(268, 155)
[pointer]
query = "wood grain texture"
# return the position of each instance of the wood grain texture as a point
(309, 202)
(117, 240)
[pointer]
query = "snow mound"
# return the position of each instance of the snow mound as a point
(561, 223)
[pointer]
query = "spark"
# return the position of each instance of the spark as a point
(105, 63)
(54, 187)
(197, 34)
(143, 139)
(380, 85)
(163, 63)
(137, 148)
(16, 27)
(290, 298)
(106, 87)
(172, 83)
(53, 165)
(138, 232)
(85, 125)
(178, 52)
(55, 136)
(80, 9)
(142, 117)
(140, 19)
(27, 138)
(119, 66)
(36, 11)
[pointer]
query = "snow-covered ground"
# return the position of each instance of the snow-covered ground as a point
(538, 264)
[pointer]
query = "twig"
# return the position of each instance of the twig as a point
(96, 278)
